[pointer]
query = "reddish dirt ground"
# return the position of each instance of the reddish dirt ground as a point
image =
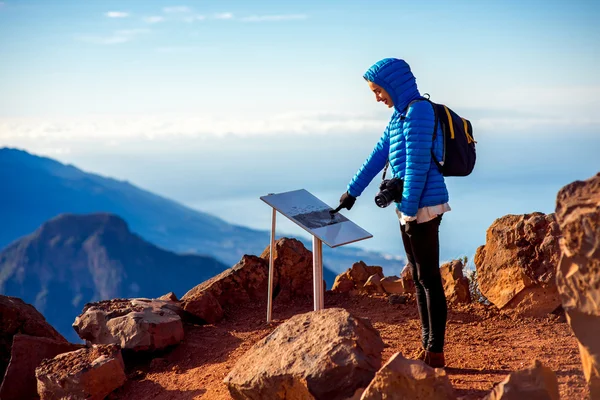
(482, 347)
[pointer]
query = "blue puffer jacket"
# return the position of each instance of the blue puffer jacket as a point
(406, 141)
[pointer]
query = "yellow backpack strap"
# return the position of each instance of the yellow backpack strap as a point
(450, 122)
(469, 137)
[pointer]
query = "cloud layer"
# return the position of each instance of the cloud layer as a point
(117, 14)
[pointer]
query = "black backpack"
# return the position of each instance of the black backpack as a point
(459, 145)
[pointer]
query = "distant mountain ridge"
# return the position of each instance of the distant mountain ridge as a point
(74, 259)
(40, 188)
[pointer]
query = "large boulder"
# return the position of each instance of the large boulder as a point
(355, 277)
(327, 354)
(401, 378)
(578, 276)
(516, 268)
(248, 280)
(16, 316)
(533, 383)
(89, 373)
(135, 324)
(293, 268)
(456, 285)
(19, 382)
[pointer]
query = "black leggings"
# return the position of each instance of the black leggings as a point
(423, 253)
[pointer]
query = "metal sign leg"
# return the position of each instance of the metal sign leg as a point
(318, 291)
(271, 268)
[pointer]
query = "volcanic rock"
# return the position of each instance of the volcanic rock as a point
(355, 277)
(27, 354)
(393, 284)
(516, 268)
(89, 373)
(248, 280)
(401, 378)
(535, 382)
(407, 280)
(326, 354)
(136, 324)
(373, 284)
(204, 306)
(456, 285)
(168, 297)
(578, 275)
(16, 316)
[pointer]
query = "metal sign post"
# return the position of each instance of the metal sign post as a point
(312, 215)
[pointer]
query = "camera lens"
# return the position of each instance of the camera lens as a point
(383, 198)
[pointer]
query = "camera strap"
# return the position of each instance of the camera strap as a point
(387, 164)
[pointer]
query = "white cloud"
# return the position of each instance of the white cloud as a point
(120, 36)
(117, 14)
(225, 15)
(154, 19)
(177, 9)
(274, 18)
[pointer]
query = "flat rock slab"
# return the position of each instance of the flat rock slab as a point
(401, 378)
(27, 354)
(135, 324)
(89, 373)
(327, 354)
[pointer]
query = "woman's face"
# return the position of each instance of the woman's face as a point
(381, 95)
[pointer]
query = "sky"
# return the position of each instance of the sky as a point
(79, 70)
(215, 103)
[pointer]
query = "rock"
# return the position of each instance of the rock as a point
(407, 280)
(516, 268)
(325, 354)
(398, 299)
(248, 280)
(578, 275)
(293, 267)
(204, 306)
(533, 383)
(19, 382)
(355, 278)
(245, 281)
(89, 373)
(401, 378)
(392, 285)
(343, 283)
(136, 324)
(16, 316)
(373, 284)
(456, 286)
(168, 297)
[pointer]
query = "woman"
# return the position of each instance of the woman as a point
(406, 144)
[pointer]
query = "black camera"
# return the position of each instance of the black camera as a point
(389, 190)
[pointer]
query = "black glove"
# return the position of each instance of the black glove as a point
(347, 201)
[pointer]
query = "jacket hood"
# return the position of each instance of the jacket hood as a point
(396, 78)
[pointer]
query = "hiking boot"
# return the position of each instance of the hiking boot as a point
(435, 360)
(419, 355)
